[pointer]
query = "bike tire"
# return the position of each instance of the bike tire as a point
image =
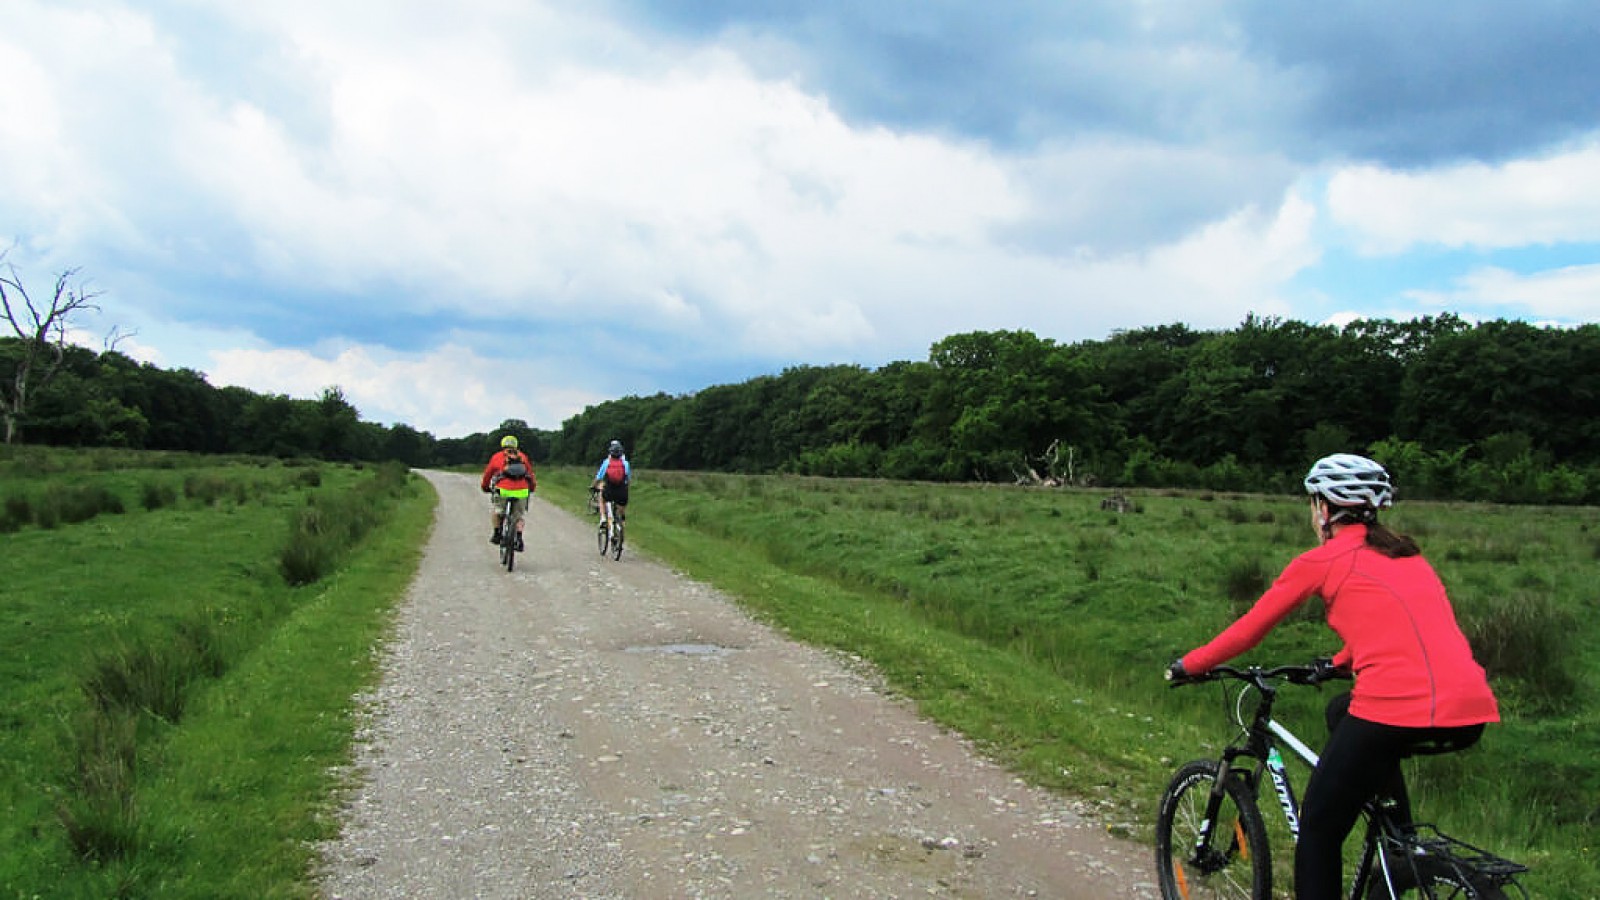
(616, 543)
(603, 536)
(1238, 865)
(508, 537)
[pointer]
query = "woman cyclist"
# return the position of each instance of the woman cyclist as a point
(1416, 684)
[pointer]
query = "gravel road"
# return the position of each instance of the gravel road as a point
(599, 729)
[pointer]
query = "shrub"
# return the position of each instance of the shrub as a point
(206, 487)
(99, 813)
(142, 676)
(328, 526)
(18, 512)
(154, 495)
(307, 557)
(84, 502)
(1525, 636)
(1243, 583)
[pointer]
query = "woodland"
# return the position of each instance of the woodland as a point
(1499, 411)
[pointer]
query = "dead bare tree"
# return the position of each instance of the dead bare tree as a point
(42, 332)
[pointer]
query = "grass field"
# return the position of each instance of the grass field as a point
(1039, 624)
(173, 709)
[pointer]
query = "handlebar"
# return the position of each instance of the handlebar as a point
(1259, 676)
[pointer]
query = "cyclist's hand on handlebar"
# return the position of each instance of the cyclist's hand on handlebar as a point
(1323, 669)
(1176, 673)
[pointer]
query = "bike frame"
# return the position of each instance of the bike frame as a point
(1260, 743)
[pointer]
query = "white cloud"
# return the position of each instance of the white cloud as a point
(1546, 200)
(1569, 294)
(520, 167)
(448, 392)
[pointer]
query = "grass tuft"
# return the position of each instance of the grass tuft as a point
(154, 495)
(1524, 635)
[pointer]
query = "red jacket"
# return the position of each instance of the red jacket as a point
(497, 465)
(1412, 664)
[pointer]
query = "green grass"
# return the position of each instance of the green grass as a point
(1039, 624)
(1032, 621)
(173, 709)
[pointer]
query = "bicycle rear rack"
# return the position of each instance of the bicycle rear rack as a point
(1432, 847)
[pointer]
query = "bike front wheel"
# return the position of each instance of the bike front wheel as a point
(1220, 856)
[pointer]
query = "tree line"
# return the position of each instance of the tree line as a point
(1502, 411)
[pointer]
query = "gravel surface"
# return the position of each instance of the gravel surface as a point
(611, 729)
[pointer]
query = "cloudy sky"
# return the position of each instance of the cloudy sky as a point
(470, 211)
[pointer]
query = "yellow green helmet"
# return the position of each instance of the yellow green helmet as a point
(509, 440)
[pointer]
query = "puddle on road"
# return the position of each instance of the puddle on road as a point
(684, 649)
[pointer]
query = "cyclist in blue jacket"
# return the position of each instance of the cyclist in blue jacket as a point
(612, 478)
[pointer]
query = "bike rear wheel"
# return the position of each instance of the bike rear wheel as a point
(616, 542)
(508, 537)
(1235, 861)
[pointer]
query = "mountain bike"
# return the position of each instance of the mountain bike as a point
(610, 539)
(1211, 839)
(516, 502)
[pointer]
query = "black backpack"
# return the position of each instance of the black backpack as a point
(516, 467)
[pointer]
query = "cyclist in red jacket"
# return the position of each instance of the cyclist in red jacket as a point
(509, 473)
(1417, 686)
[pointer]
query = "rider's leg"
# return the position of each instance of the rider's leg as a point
(1360, 760)
(1393, 788)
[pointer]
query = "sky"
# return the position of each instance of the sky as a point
(462, 213)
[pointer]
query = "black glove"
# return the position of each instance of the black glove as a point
(1323, 669)
(1176, 673)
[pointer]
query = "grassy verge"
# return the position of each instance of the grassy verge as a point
(1038, 623)
(174, 708)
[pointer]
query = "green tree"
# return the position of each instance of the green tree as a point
(1506, 377)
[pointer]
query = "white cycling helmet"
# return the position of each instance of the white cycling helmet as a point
(1345, 479)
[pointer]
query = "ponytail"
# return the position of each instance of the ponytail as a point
(1390, 543)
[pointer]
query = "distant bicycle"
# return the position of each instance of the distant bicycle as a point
(1211, 840)
(610, 539)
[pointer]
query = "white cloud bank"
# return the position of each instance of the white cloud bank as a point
(1548, 200)
(526, 168)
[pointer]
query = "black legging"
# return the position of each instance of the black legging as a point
(1360, 761)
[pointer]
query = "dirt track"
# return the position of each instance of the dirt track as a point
(599, 729)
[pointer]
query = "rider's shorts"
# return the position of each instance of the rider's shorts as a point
(614, 493)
